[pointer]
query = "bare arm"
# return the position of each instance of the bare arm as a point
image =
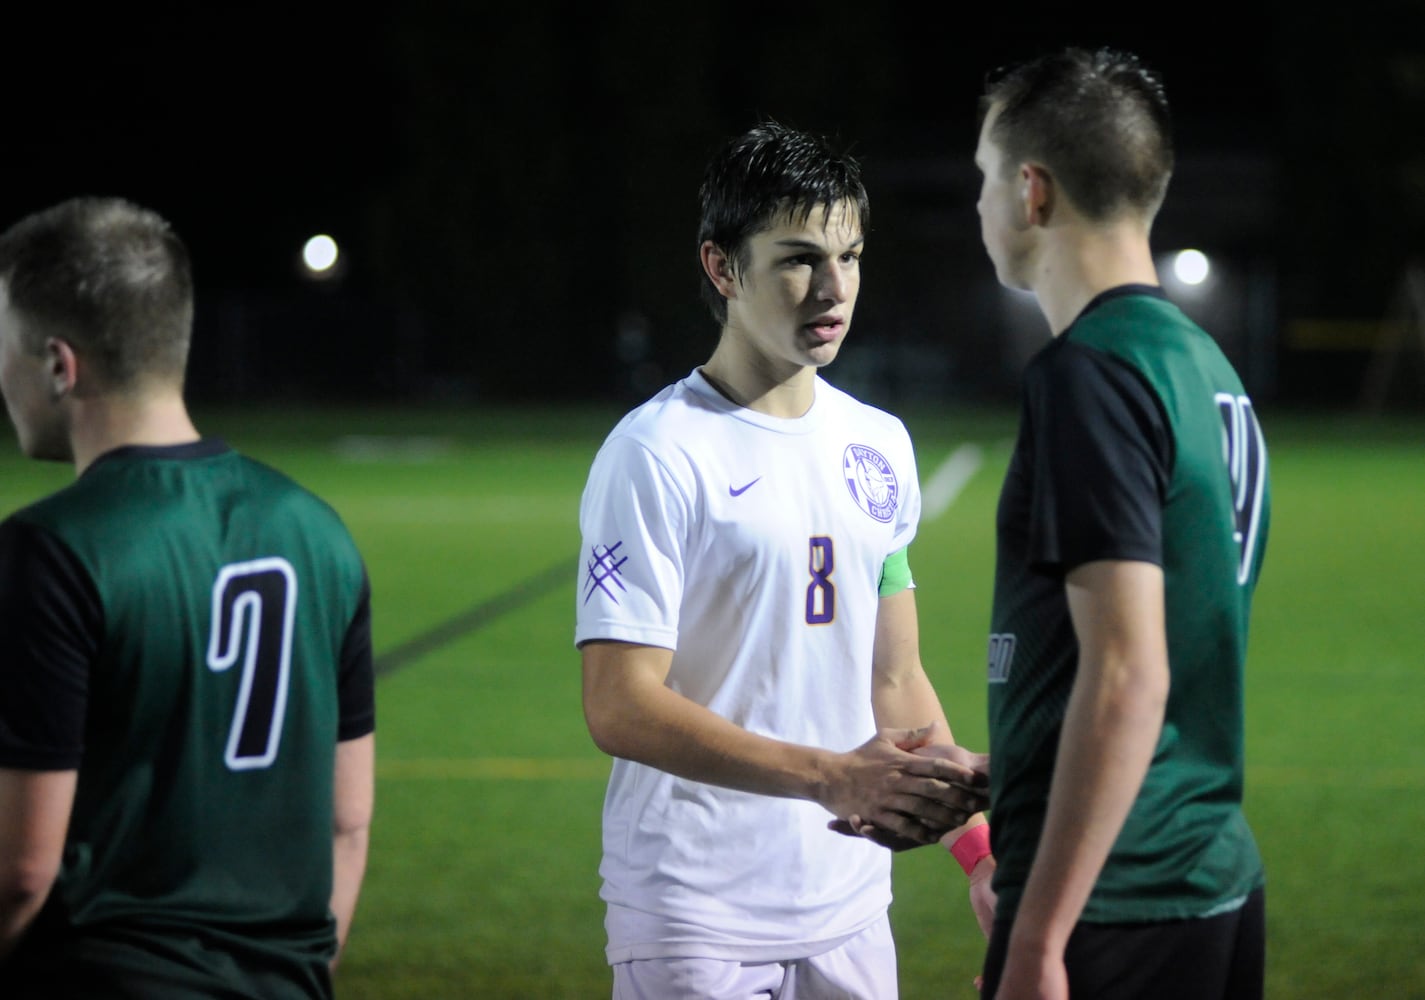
(1112, 724)
(633, 714)
(901, 693)
(34, 818)
(353, 799)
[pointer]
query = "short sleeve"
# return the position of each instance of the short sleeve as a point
(356, 679)
(909, 505)
(52, 622)
(1102, 461)
(633, 518)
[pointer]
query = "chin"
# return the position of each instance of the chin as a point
(45, 449)
(823, 354)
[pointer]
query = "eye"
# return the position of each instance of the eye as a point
(851, 257)
(800, 260)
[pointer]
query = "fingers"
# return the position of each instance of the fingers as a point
(915, 797)
(978, 763)
(912, 739)
(854, 826)
(923, 820)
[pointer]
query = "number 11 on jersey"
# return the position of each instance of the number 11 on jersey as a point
(1244, 449)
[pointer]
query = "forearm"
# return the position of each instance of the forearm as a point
(632, 713)
(348, 871)
(659, 727)
(907, 700)
(34, 816)
(353, 801)
(902, 696)
(1107, 742)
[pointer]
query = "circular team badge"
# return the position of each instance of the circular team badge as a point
(871, 481)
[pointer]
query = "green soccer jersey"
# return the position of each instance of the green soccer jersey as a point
(191, 631)
(1136, 442)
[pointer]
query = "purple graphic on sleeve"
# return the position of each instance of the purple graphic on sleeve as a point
(871, 480)
(604, 567)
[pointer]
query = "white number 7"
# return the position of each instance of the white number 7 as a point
(254, 604)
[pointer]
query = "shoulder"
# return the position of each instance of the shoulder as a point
(673, 431)
(666, 418)
(1142, 328)
(871, 420)
(278, 495)
(272, 485)
(1082, 368)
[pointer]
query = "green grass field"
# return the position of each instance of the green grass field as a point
(483, 873)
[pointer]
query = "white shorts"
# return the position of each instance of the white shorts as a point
(862, 968)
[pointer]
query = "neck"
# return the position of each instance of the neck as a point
(102, 423)
(759, 383)
(1079, 263)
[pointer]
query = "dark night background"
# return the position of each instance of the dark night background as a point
(514, 187)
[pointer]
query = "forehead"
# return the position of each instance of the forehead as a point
(836, 225)
(11, 325)
(987, 151)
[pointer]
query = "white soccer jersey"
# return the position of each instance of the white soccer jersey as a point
(752, 546)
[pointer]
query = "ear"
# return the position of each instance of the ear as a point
(61, 367)
(718, 267)
(1037, 194)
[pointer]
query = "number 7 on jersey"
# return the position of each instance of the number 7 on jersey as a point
(254, 604)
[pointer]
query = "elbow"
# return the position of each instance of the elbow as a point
(351, 832)
(26, 885)
(606, 728)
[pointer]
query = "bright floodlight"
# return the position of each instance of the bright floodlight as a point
(1191, 267)
(319, 254)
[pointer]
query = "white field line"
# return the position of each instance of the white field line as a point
(941, 489)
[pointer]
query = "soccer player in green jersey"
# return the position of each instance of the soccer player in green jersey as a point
(1131, 529)
(186, 696)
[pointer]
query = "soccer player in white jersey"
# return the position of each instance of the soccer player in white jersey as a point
(748, 627)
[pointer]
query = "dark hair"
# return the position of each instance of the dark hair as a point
(109, 276)
(767, 173)
(1098, 121)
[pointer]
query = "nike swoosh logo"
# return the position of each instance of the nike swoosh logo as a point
(733, 491)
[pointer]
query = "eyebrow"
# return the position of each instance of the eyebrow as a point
(792, 243)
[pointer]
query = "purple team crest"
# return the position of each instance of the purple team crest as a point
(871, 481)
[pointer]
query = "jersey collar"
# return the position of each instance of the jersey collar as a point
(1118, 292)
(205, 448)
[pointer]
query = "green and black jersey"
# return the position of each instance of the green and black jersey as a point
(1136, 442)
(190, 630)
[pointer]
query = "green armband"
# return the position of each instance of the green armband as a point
(895, 573)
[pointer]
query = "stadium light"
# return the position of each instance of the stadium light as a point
(320, 255)
(1191, 267)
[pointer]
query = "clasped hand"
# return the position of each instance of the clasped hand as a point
(904, 788)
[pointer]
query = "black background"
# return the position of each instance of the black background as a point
(513, 186)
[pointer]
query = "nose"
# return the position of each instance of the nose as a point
(834, 282)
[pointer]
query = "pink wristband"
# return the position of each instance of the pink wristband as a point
(973, 845)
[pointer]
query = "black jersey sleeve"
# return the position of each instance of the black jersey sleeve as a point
(1103, 460)
(356, 680)
(52, 623)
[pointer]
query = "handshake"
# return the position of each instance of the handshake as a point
(906, 788)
